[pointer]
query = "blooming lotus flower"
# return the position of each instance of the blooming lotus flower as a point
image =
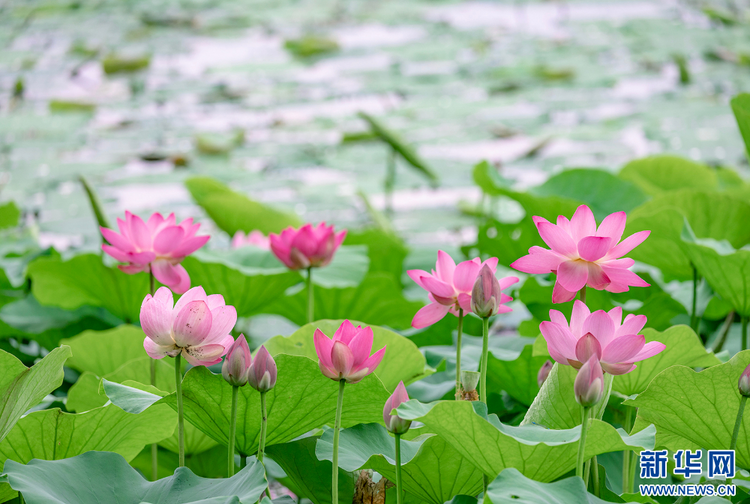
(237, 362)
(450, 287)
(583, 254)
(589, 383)
(306, 247)
(744, 383)
(197, 326)
(254, 238)
(544, 371)
(616, 343)
(158, 244)
(262, 373)
(347, 356)
(395, 423)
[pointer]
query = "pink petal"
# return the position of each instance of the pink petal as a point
(372, 362)
(616, 315)
(597, 278)
(557, 239)
(445, 267)
(224, 318)
(194, 294)
(438, 287)
(345, 332)
(339, 239)
(558, 318)
(305, 241)
(577, 317)
(582, 224)
(623, 276)
(632, 325)
(588, 346)
(400, 395)
(156, 319)
(132, 269)
(560, 295)
(601, 326)
(612, 226)
(323, 346)
(327, 371)
(465, 275)
(539, 261)
(140, 234)
(168, 239)
(628, 244)
(184, 284)
(116, 253)
(342, 358)
(491, 262)
(623, 348)
(593, 248)
(204, 355)
(192, 324)
(171, 276)
(506, 282)
(620, 368)
(280, 249)
(361, 345)
(573, 275)
(649, 350)
(428, 315)
(154, 350)
(154, 222)
(560, 343)
(117, 241)
(215, 300)
(189, 246)
(464, 302)
(417, 275)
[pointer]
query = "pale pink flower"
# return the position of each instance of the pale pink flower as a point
(589, 383)
(197, 326)
(306, 247)
(615, 342)
(254, 239)
(395, 423)
(582, 254)
(347, 355)
(237, 362)
(450, 287)
(262, 373)
(158, 244)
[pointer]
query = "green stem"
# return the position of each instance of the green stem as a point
(180, 417)
(232, 433)
(582, 442)
(485, 484)
(243, 460)
(719, 344)
(390, 181)
(154, 447)
(595, 471)
(458, 352)
(627, 454)
(694, 314)
(744, 332)
(738, 423)
(485, 349)
(263, 427)
(582, 294)
(310, 298)
(336, 429)
(398, 469)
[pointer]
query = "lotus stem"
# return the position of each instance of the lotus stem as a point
(627, 483)
(180, 417)
(485, 351)
(595, 471)
(154, 446)
(399, 489)
(744, 332)
(310, 298)
(390, 181)
(582, 442)
(458, 352)
(726, 326)
(336, 429)
(738, 423)
(232, 433)
(263, 427)
(582, 294)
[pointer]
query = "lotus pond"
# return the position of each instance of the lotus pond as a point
(345, 251)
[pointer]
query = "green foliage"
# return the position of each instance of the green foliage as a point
(311, 45)
(741, 108)
(102, 352)
(114, 64)
(515, 373)
(9, 215)
(663, 173)
(512, 486)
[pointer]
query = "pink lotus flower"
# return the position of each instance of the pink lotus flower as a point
(589, 383)
(583, 254)
(617, 345)
(236, 363)
(159, 245)
(347, 355)
(744, 382)
(262, 373)
(306, 247)
(450, 287)
(395, 423)
(198, 326)
(254, 239)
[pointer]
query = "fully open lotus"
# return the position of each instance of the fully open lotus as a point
(158, 245)
(583, 255)
(616, 342)
(198, 326)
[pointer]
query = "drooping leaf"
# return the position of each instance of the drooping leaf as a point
(696, 410)
(555, 406)
(539, 453)
(69, 481)
(741, 108)
(9, 215)
(233, 212)
(664, 173)
(22, 388)
(402, 359)
(512, 487)
(431, 469)
(302, 400)
(96, 205)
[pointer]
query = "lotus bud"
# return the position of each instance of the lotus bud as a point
(237, 362)
(485, 296)
(262, 373)
(744, 384)
(589, 383)
(544, 373)
(586, 347)
(395, 423)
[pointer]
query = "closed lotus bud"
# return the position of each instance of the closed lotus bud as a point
(485, 296)
(262, 373)
(589, 383)
(744, 383)
(469, 380)
(237, 362)
(543, 373)
(395, 423)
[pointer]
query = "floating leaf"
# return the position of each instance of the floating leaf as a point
(663, 173)
(65, 106)
(113, 64)
(69, 482)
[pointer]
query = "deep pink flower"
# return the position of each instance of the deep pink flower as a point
(262, 373)
(450, 287)
(589, 383)
(395, 423)
(198, 326)
(307, 246)
(616, 343)
(583, 254)
(347, 355)
(237, 362)
(254, 238)
(158, 244)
